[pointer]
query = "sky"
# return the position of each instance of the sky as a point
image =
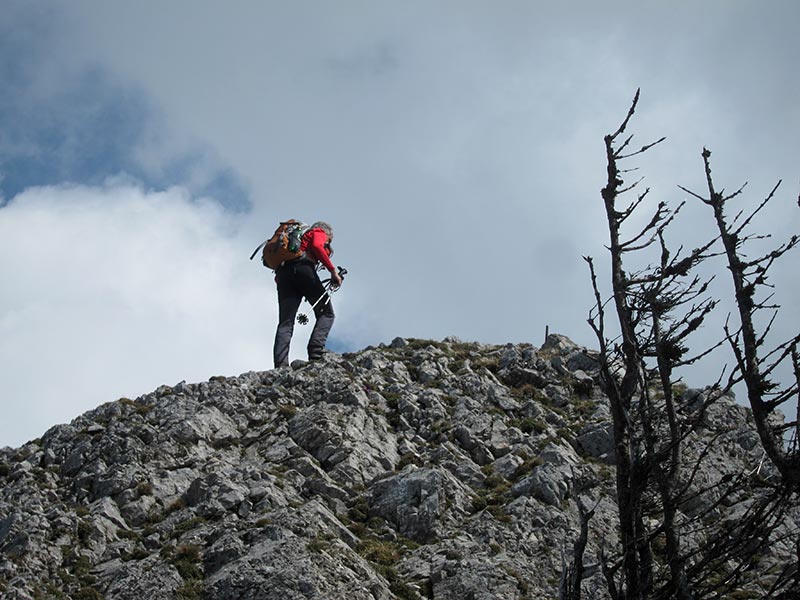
(147, 148)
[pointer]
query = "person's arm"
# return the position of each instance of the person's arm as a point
(316, 247)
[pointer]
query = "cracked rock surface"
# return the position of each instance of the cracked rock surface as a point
(419, 469)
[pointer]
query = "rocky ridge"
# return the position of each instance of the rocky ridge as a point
(421, 469)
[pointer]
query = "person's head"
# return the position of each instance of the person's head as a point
(325, 227)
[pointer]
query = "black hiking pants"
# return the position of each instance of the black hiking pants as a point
(297, 281)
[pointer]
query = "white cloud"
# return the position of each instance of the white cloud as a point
(113, 291)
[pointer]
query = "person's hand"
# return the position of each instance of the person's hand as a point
(336, 280)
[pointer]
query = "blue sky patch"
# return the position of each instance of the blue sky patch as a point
(86, 128)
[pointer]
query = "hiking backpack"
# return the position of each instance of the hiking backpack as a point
(283, 245)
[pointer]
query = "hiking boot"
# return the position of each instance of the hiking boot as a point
(299, 364)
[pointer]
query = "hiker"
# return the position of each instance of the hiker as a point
(298, 279)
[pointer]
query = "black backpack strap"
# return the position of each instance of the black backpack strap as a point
(252, 256)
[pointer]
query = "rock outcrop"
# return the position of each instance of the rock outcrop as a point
(421, 469)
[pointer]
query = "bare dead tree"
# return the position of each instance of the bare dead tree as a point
(647, 433)
(657, 308)
(755, 367)
(572, 571)
(622, 384)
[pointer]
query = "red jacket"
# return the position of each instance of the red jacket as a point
(313, 244)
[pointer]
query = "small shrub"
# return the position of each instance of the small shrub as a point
(566, 434)
(145, 488)
(582, 406)
(399, 588)
(376, 523)
(478, 503)
(529, 425)
(87, 593)
(359, 512)
(402, 590)
(418, 344)
(127, 534)
(499, 513)
(393, 418)
(316, 545)
(319, 543)
(524, 391)
(137, 407)
(527, 466)
(743, 595)
(137, 554)
(491, 363)
(84, 531)
(379, 551)
(605, 472)
(409, 459)
(679, 389)
(79, 567)
(176, 505)
(40, 475)
(223, 443)
(190, 590)
(186, 560)
(391, 398)
(187, 525)
(496, 482)
(50, 591)
(287, 411)
(358, 529)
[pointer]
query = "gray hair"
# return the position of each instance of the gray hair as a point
(324, 226)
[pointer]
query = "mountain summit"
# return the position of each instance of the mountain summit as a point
(421, 469)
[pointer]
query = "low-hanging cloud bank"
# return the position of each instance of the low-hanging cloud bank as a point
(114, 290)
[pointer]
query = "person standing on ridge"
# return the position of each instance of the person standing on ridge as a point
(298, 279)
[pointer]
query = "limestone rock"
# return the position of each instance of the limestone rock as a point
(420, 469)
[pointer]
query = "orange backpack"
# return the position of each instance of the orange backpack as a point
(283, 245)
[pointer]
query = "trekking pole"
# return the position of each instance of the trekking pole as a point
(342, 273)
(303, 318)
